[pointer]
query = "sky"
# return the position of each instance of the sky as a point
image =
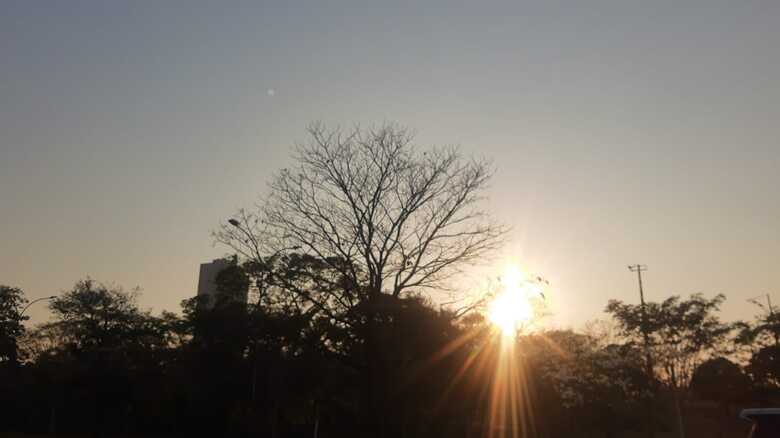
(622, 131)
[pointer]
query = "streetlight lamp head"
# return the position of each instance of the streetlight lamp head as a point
(233, 222)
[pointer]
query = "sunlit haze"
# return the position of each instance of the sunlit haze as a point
(511, 307)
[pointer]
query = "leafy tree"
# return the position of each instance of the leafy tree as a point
(758, 343)
(44, 339)
(683, 333)
(12, 332)
(721, 380)
(603, 386)
(764, 366)
(105, 343)
(764, 331)
(11, 328)
(96, 317)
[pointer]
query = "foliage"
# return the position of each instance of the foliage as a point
(327, 324)
(11, 302)
(721, 380)
(275, 367)
(93, 317)
(604, 386)
(764, 366)
(758, 343)
(682, 333)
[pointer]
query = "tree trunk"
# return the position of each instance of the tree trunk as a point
(374, 414)
(316, 419)
(53, 420)
(678, 409)
(273, 392)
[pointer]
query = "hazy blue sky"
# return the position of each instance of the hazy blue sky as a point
(624, 131)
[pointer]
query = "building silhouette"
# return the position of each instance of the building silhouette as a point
(212, 291)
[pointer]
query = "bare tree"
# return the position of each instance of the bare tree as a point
(386, 216)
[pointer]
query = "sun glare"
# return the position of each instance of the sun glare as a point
(512, 307)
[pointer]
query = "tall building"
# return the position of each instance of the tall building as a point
(207, 280)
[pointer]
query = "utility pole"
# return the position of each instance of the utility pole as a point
(646, 337)
(771, 318)
(648, 358)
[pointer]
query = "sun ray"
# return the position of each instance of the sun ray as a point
(509, 412)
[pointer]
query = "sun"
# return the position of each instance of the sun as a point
(511, 308)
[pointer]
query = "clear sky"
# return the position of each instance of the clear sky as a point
(623, 131)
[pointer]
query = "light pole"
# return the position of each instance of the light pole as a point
(35, 301)
(14, 352)
(52, 413)
(261, 285)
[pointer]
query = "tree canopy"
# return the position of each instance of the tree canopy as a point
(11, 322)
(386, 215)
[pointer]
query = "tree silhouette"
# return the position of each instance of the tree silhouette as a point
(721, 380)
(384, 216)
(682, 334)
(12, 331)
(603, 386)
(11, 302)
(106, 342)
(280, 367)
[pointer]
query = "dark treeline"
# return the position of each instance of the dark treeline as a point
(103, 367)
(339, 336)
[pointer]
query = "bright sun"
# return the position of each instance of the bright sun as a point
(512, 308)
